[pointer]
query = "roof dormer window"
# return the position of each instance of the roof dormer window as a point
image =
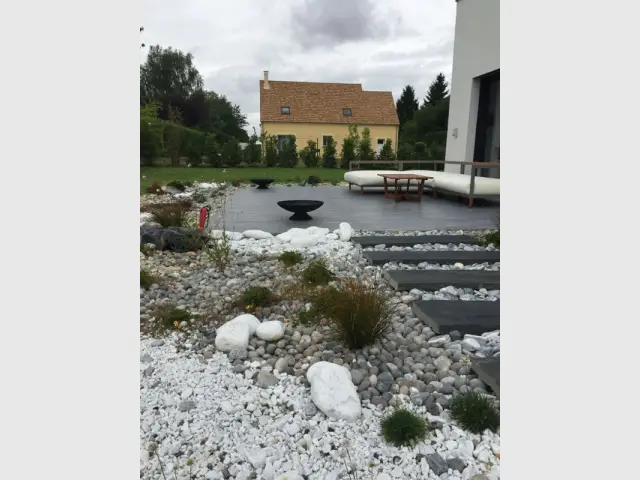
(346, 112)
(285, 110)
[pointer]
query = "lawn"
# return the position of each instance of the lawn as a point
(281, 175)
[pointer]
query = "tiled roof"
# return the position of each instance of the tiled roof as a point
(312, 102)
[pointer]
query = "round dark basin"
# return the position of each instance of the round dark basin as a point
(300, 208)
(262, 183)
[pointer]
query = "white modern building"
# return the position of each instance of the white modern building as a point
(474, 111)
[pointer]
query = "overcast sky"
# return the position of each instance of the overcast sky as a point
(383, 44)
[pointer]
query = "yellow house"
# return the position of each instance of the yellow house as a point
(316, 111)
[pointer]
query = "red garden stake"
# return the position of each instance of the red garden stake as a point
(204, 218)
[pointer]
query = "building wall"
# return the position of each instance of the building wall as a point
(476, 51)
(315, 131)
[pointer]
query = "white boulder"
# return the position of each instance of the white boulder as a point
(333, 392)
(183, 195)
(292, 475)
(232, 335)
(257, 234)
(301, 241)
(270, 331)
(247, 319)
(345, 231)
(230, 235)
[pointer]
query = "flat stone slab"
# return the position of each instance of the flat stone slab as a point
(410, 240)
(431, 280)
(442, 257)
(473, 317)
(488, 370)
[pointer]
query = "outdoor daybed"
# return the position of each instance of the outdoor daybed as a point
(457, 183)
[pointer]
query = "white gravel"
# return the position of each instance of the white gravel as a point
(200, 411)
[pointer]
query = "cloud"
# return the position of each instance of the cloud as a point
(382, 44)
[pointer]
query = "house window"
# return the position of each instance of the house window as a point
(380, 145)
(283, 140)
(285, 110)
(346, 112)
(325, 140)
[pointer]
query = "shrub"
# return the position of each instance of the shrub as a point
(257, 297)
(475, 412)
(289, 153)
(155, 188)
(309, 154)
(313, 180)
(320, 300)
(403, 428)
(169, 318)
(364, 150)
(169, 214)
(177, 184)
(231, 153)
(270, 150)
(290, 258)
(146, 279)
(358, 314)
(317, 273)
(387, 151)
(212, 151)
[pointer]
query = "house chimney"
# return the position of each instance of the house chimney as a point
(266, 79)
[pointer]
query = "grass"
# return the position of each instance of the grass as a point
(290, 258)
(493, 237)
(163, 175)
(358, 314)
(475, 412)
(403, 428)
(317, 273)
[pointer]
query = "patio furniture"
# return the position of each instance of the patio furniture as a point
(398, 194)
(300, 208)
(467, 185)
(262, 183)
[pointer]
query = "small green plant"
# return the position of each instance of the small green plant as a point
(155, 188)
(317, 273)
(169, 318)
(403, 428)
(146, 279)
(255, 297)
(493, 237)
(358, 313)
(177, 184)
(475, 412)
(169, 214)
(147, 249)
(218, 250)
(290, 258)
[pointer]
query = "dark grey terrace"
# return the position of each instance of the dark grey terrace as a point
(249, 208)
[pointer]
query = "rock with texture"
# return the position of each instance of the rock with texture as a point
(333, 391)
(270, 331)
(257, 234)
(345, 231)
(249, 320)
(232, 336)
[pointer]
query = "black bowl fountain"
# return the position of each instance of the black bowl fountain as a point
(262, 183)
(300, 208)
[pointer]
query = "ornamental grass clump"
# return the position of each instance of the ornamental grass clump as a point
(475, 412)
(146, 279)
(169, 214)
(290, 258)
(403, 428)
(358, 313)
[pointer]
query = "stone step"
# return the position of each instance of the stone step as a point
(473, 317)
(442, 257)
(410, 240)
(488, 370)
(431, 280)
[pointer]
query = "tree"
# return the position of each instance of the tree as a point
(231, 153)
(174, 134)
(364, 149)
(212, 151)
(407, 105)
(386, 153)
(168, 74)
(309, 154)
(251, 152)
(438, 91)
(329, 153)
(289, 153)
(350, 145)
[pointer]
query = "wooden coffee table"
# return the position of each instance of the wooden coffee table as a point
(397, 193)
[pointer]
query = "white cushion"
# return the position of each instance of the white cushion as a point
(461, 183)
(366, 178)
